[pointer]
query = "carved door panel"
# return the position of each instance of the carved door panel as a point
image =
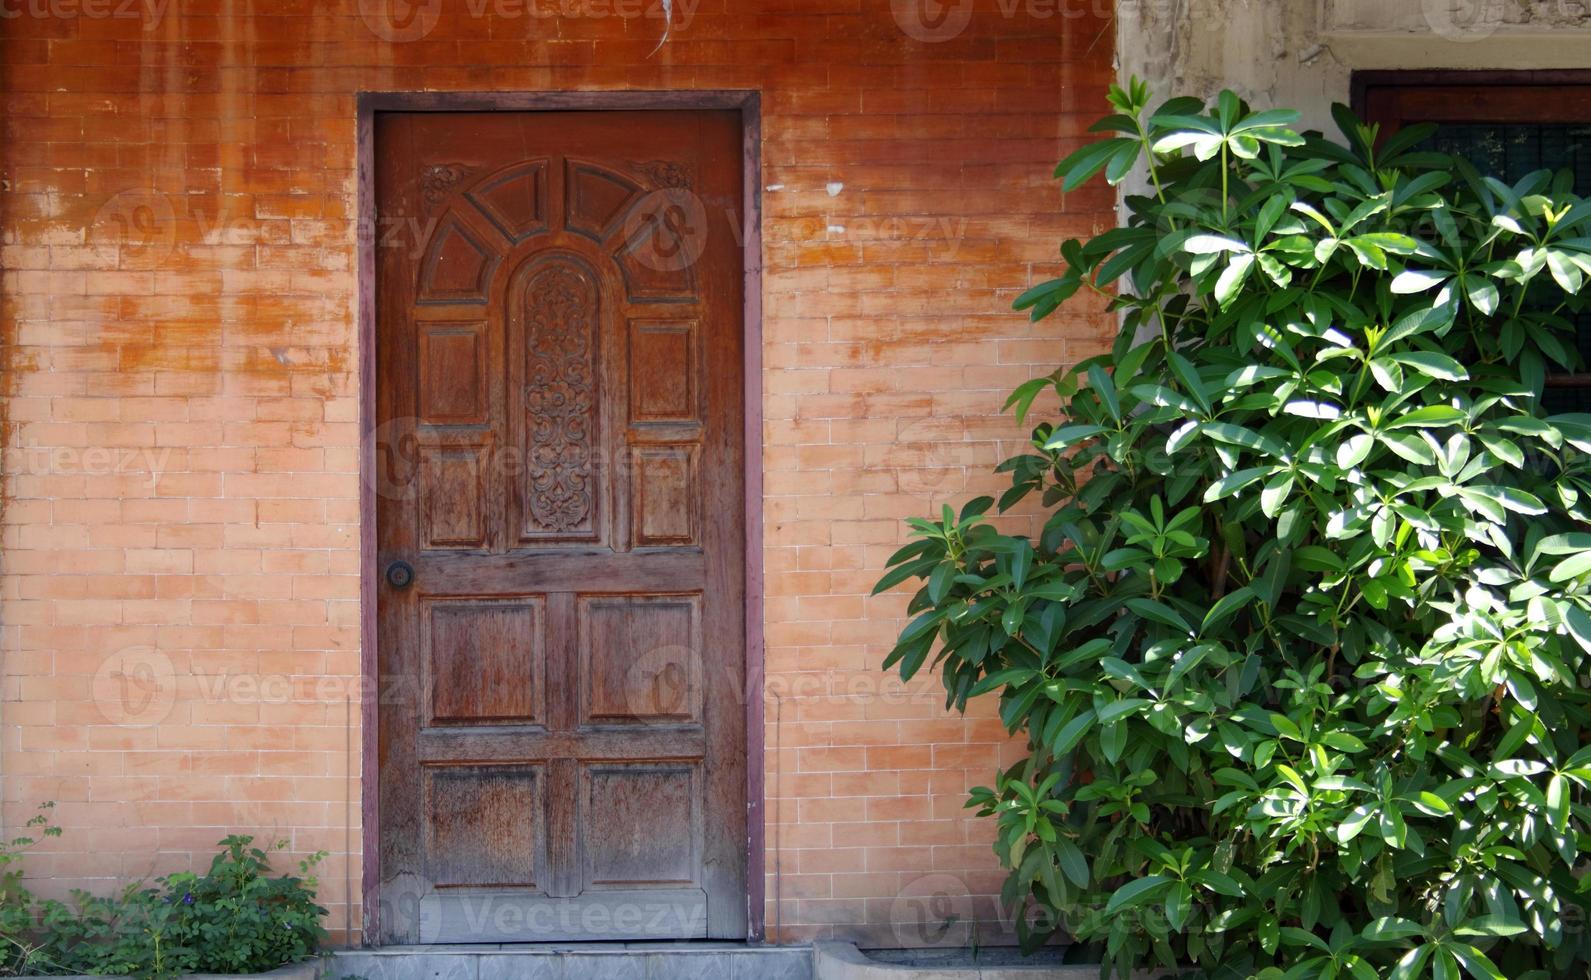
(560, 526)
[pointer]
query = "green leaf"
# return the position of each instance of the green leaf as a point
(1481, 293)
(1232, 278)
(1431, 416)
(1105, 388)
(1275, 494)
(1179, 902)
(1417, 280)
(1412, 963)
(1027, 391)
(1428, 802)
(1432, 365)
(1237, 435)
(1389, 929)
(1068, 435)
(1087, 161)
(1116, 710)
(1284, 726)
(898, 575)
(1475, 962)
(1354, 450)
(1564, 271)
(1207, 244)
(1487, 926)
(1188, 660)
(1342, 741)
(1232, 483)
(1073, 864)
(1572, 567)
(1009, 677)
(1160, 613)
(1226, 606)
(1136, 893)
(1072, 732)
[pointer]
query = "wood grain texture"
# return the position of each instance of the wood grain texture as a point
(575, 636)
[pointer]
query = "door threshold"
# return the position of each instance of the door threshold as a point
(682, 960)
(565, 946)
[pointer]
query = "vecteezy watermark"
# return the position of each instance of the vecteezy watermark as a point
(667, 229)
(150, 12)
(136, 686)
(941, 236)
(1463, 20)
(402, 457)
(87, 461)
(402, 909)
(401, 21)
(664, 684)
(141, 228)
(933, 912)
(134, 229)
(931, 21)
(413, 906)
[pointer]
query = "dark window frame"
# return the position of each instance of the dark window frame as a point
(1396, 98)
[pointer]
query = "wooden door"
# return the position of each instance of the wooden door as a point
(560, 526)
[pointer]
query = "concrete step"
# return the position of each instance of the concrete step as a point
(575, 961)
(843, 961)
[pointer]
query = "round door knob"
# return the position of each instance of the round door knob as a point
(400, 575)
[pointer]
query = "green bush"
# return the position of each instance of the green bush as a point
(236, 918)
(1300, 651)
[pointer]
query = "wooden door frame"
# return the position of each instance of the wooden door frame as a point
(748, 103)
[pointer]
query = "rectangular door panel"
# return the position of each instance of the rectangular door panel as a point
(485, 660)
(483, 825)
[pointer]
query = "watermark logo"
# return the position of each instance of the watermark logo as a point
(932, 21)
(1462, 20)
(933, 912)
(657, 684)
(135, 686)
(400, 21)
(93, 461)
(134, 229)
(403, 908)
(150, 12)
(667, 229)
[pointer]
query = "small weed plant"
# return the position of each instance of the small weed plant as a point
(237, 917)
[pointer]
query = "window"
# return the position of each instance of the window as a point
(1507, 124)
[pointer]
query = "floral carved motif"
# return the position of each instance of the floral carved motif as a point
(438, 180)
(560, 395)
(667, 173)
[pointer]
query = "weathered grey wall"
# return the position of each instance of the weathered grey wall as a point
(1300, 53)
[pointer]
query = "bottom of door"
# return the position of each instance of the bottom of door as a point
(487, 916)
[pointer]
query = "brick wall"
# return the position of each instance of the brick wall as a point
(179, 600)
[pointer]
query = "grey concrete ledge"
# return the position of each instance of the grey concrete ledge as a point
(843, 961)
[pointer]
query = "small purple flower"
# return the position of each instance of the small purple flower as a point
(187, 898)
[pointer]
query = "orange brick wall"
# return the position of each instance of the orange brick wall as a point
(179, 600)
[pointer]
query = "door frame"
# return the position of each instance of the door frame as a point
(748, 103)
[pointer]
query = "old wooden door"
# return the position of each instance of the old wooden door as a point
(560, 526)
